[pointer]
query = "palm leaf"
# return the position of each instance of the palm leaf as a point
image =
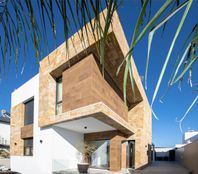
(136, 31)
(186, 69)
(186, 113)
(151, 33)
(136, 38)
(180, 64)
(111, 7)
(170, 50)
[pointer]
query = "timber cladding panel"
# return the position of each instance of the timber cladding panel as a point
(83, 85)
(27, 131)
(106, 135)
(16, 122)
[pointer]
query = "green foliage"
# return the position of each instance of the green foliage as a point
(4, 153)
(87, 149)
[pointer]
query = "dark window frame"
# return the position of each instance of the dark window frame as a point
(58, 81)
(30, 147)
(29, 119)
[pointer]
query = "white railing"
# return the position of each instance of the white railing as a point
(4, 141)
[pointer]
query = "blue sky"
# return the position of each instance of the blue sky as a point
(165, 131)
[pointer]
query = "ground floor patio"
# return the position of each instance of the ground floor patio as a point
(158, 167)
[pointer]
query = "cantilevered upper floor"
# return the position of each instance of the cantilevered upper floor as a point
(73, 87)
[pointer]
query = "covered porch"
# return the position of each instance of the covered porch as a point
(110, 141)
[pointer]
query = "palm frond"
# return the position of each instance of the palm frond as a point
(151, 34)
(186, 113)
(170, 50)
(188, 58)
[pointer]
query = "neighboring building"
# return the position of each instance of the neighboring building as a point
(190, 136)
(164, 154)
(69, 101)
(4, 131)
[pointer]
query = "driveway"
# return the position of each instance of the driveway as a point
(162, 167)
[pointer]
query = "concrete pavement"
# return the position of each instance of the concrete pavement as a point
(159, 167)
(163, 167)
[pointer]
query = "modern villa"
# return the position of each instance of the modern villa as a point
(69, 101)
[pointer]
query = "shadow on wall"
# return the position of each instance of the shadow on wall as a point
(188, 156)
(69, 136)
(66, 152)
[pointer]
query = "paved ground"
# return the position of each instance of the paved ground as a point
(162, 167)
(155, 168)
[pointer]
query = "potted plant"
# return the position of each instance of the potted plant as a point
(87, 150)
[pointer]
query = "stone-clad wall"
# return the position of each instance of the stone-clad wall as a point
(140, 118)
(55, 63)
(115, 152)
(16, 122)
(18, 131)
(27, 131)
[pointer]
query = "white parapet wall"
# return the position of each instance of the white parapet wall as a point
(4, 133)
(26, 164)
(54, 148)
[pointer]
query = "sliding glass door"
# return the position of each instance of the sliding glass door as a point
(100, 157)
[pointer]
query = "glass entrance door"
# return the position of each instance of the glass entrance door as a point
(100, 157)
(130, 154)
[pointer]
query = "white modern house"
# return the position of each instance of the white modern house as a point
(70, 102)
(54, 148)
(49, 146)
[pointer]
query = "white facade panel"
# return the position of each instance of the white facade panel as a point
(66, 151)
(23, 165)
(26, 91)
(54, 148)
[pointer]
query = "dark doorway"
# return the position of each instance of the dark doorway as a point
(130, 149)
(172, 155)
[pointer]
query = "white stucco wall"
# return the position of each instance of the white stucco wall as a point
(66, 153)
(24, 164)
(54, 148)
(190, 136)
(4, 133)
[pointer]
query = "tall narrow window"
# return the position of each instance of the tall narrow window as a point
(29, 112)
(28, 147)
(59, 96)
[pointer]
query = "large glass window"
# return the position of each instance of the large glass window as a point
(59, 96)
(29, 112)
(100, 157)
(28, 147)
